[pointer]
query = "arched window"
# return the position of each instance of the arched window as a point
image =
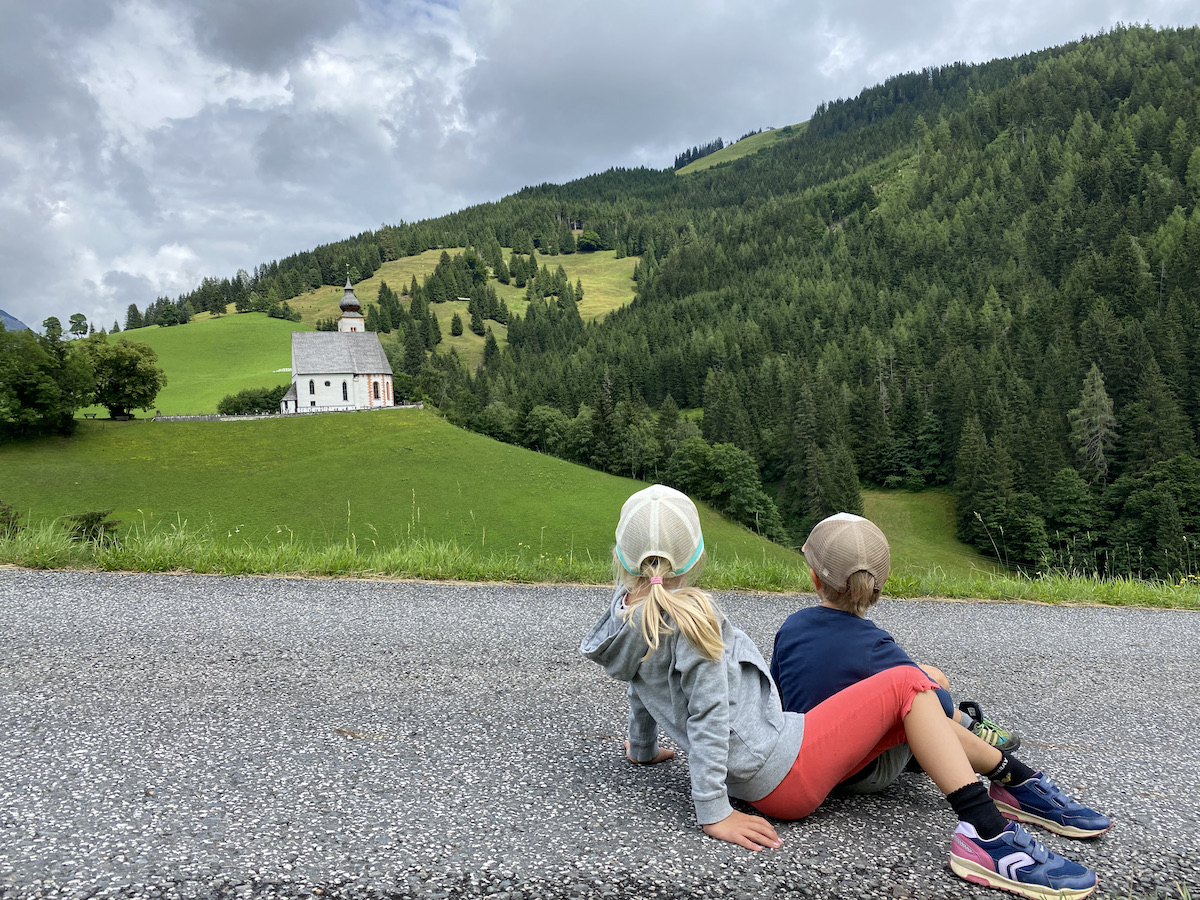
(376, 390)
(345, 393)
(312, 386)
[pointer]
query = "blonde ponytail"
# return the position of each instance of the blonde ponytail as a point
(687, 608)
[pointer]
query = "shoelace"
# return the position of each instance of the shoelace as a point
(990, 733)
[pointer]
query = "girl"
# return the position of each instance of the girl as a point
(704, 682)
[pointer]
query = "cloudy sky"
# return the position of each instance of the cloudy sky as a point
(145, 144)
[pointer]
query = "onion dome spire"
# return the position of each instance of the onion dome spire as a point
(349, 302)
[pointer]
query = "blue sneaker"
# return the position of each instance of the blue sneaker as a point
(1039, 801)
(1014, 861)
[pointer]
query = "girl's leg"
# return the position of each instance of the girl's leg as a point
(844, 733)
(934, 740)
(983, 756)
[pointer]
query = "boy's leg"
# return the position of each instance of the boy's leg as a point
(878, 775)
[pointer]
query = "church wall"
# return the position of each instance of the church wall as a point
(325, 394)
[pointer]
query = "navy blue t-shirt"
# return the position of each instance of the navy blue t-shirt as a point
(820, 650)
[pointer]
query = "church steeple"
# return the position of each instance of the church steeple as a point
(349, 301)
(351, 318)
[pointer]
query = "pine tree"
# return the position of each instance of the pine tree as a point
(414, 348)
(456, 325)
(1153, 426)
(433, 331)
(491, 350)
(1170, 543)
(971, 471)
(1093, 427)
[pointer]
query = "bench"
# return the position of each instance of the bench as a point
(89, 415)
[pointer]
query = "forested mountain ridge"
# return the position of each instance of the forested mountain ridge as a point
(978, 277)
(925, 306)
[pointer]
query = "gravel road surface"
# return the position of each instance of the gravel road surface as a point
(203, 737)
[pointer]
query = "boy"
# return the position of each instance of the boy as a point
(822, 649)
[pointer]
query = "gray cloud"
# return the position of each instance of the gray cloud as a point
(147, 143)
(265, 35)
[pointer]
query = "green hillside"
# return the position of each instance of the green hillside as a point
(376, 478)
(747, 145)
(920, 531)
(607, 285)
(209, 358)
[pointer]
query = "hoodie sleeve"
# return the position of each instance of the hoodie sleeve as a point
(705, 683)
(643, 730)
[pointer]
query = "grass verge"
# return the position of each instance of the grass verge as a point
(181, 548)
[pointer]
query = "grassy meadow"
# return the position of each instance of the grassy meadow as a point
(744, 147)
(377, 481)
(209, 358)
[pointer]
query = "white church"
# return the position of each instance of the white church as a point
(336, 370)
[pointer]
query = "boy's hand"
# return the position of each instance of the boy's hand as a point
(661, 756)
(751, 832)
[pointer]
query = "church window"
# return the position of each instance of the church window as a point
(312, 386)
(327, 384)
(345, 393)
(376, 390)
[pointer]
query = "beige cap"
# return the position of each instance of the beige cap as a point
(659, 521)
(844, 544)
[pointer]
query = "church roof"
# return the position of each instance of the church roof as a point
(338, 352)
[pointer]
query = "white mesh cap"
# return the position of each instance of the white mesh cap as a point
(659, 521)
(844, 544)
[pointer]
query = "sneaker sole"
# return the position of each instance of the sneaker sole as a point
(977, 874)
(1028, 818)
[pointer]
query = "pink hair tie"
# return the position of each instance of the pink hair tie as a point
(657, 579)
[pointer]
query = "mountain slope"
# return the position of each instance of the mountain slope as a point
(11, 323)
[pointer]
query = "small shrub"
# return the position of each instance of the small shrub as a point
(92, 526)
(10, 521)
(252, 401)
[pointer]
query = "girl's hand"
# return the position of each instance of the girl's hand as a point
(751, 832)
(662, 756)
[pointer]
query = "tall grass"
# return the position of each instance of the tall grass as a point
(183, 548)
(179, 547)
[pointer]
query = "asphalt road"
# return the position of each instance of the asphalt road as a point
(200, 737)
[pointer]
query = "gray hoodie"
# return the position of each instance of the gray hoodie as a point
(725, 713)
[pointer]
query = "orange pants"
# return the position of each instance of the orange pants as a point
(843, 734)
